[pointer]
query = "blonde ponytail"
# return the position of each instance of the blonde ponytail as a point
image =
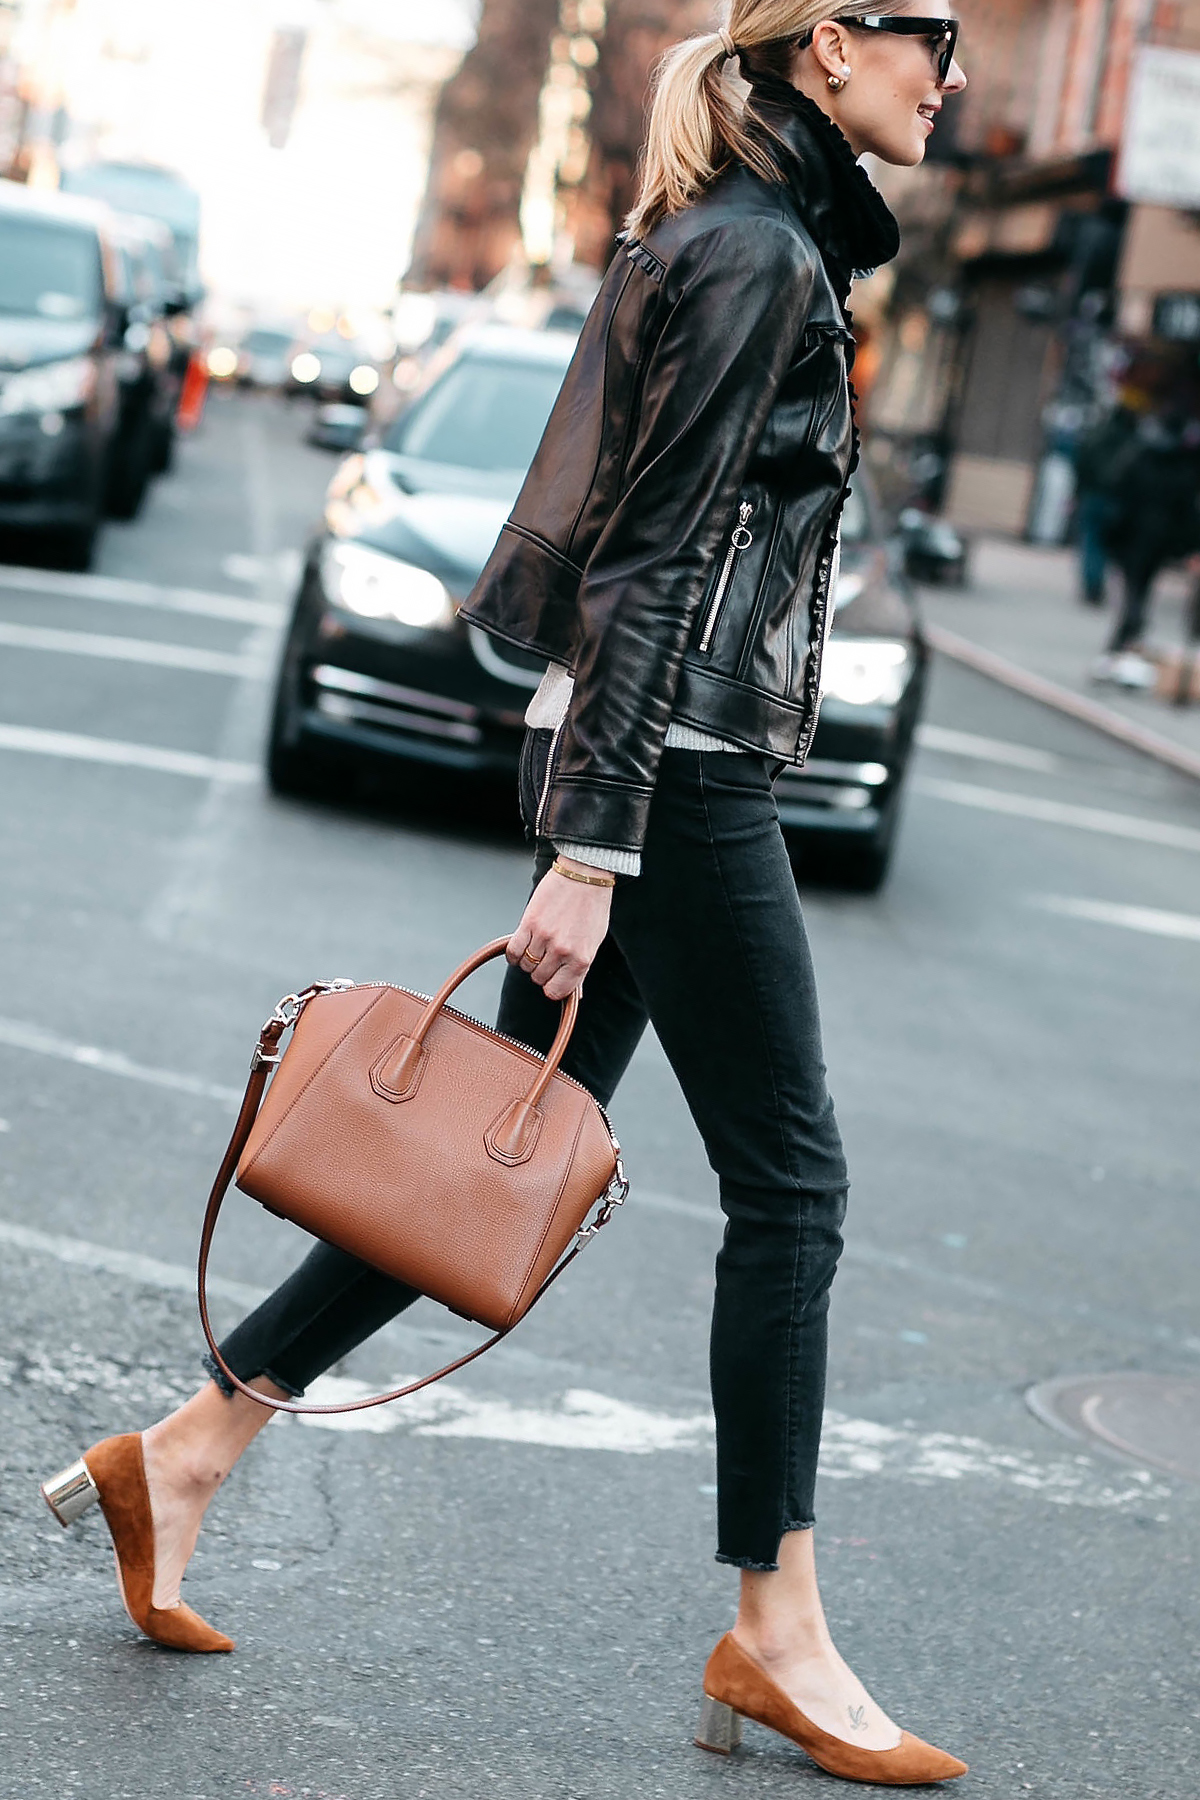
(696, 123)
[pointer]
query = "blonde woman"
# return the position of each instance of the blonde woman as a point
(671, 556)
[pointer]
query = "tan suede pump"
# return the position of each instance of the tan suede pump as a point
(737, 1688)
(113, 1472)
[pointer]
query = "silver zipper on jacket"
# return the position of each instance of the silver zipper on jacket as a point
(544, 800)
(741, 540)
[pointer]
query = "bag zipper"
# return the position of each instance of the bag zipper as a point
(740, 540)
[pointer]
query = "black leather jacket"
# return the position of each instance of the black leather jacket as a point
(674, 539)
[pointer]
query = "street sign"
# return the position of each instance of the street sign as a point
(1159, 163)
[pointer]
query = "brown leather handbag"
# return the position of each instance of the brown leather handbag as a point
(438, 1151)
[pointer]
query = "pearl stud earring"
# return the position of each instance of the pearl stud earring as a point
(838, 82)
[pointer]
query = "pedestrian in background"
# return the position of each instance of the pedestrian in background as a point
(1101, 456)
(672, 556)
(1153, 520)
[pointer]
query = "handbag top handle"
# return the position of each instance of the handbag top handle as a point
(398, 1076)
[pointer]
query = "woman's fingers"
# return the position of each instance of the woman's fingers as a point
(519, 942)
(560, 932)
(560, 971)
(562, 979)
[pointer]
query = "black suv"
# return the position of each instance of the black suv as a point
(62, 330)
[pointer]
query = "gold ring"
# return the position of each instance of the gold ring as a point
(533, 960)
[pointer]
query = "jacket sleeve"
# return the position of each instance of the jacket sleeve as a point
(734, 304)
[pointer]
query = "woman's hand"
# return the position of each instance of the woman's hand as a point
(561, 930)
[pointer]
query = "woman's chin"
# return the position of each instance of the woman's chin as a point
(914, 150)
(902, 152)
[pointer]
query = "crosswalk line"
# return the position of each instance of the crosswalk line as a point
(1147, 919)
(117, 591)
(75, 747)
(986, 749)
(1059, 812)
(49, 639)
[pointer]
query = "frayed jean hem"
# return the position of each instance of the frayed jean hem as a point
(762, 1568)
(216, 1373)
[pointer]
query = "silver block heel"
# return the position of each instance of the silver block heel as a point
(720, 1728)
(69, 1493)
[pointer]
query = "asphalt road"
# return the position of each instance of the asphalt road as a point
(508, 1588)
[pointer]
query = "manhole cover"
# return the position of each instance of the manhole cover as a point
(1150, 1419)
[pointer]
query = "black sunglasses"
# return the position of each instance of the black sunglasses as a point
(942, 34)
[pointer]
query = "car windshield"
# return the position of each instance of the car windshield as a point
(49, 269)
(483, 414)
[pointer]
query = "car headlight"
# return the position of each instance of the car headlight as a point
(52, 387)
(306, 367)
(865, 671)
(376, 586)
(363, 380)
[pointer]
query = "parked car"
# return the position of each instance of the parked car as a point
(62, 328)
(263, 356)
(148, 191)
(149, 375)
(378, 668)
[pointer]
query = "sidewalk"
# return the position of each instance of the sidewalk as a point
(1022, 607)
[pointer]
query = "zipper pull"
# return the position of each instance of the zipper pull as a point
(740, 540)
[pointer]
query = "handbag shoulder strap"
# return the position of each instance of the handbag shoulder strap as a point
(267, 1057)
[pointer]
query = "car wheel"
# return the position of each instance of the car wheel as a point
(859, 865)
(294, 767)
(74, 547)
(129, 475)
(292, 772)
(162, 454)
(862, 866)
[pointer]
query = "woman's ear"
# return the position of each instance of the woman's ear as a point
(831, 48)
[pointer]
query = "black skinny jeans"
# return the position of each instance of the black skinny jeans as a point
(708, 945)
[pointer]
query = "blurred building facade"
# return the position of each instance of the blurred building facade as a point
(1052, 249)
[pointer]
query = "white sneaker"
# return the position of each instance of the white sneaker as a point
(1103, 669)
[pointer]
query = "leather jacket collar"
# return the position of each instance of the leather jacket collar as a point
(844, 210)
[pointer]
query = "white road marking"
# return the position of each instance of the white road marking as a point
(1056, 812)
(1131, 918)
(851, 1449)
(284, 567)
(77, 748)
(986, 749)
(854, 1448)
(146, 1270)
(16, 1035)
(213, 848)
(133, 650)
(117, 592)
(581, 1418)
